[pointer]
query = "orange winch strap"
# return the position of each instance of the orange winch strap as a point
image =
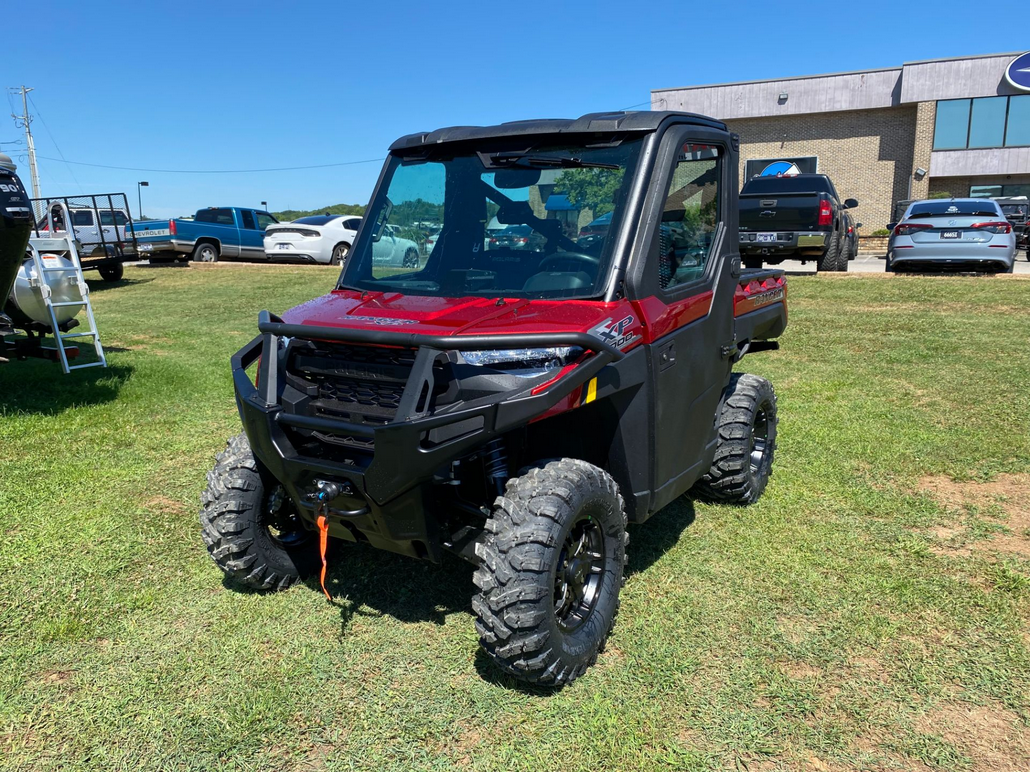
(323, 543)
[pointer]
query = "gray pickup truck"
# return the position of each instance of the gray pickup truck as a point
(799, 217)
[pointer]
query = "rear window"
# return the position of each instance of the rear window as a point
(772, 185)
(320, 219)
(1015, 210)
(220, 216)
(953, 209)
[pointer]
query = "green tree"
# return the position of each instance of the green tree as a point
(593, 189)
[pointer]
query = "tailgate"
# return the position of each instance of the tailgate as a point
(779, 211)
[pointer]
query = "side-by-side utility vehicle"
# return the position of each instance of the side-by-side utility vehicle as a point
(516, 407)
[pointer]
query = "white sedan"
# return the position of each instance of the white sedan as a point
(395, 250)
(317, 239)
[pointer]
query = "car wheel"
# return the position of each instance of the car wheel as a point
(550, 571)
(844, 256)
(828, 260)
(746, 432)
(340, 252)
(205, 253)
(112, 272)
(252, 531)
(410, 259)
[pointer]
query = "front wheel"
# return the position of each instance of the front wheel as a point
(340, 252)
(411, 259)
(111, 272)
(251, 530)
(746, 441)
(551, 567)
(205, 253)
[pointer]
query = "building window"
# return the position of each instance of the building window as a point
(987, 123)
(992, 191)
(1017, 131)
(951, 131)
(982, 122)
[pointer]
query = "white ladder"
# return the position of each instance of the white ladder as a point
(65, 245)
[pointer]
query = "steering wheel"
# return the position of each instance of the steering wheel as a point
(565, 257)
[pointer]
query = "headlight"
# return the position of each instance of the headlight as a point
(526, 362)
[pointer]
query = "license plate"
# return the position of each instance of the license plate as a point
(766, 238)
(283, 246)
(146, 247)
(951, 234)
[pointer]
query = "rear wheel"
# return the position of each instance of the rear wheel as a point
(411, 258)
(340, 252)
(844, 257)
(746, 442)
(252, 531)
(551, 567)
(205, 253)
(828, 260)
(111, 272)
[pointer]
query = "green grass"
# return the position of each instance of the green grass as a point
(828, 627)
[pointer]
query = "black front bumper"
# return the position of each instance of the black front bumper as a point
(387, 494)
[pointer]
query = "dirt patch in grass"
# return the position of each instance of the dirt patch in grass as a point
(1009, 492)
(992, 736)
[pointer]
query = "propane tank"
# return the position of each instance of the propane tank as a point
(26, 300)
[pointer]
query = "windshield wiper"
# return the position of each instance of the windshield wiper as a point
(560, 162)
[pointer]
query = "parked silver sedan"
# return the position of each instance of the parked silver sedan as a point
(965, 234)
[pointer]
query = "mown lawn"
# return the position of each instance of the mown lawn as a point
(872, 612)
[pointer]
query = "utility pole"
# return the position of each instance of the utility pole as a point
(26, 119)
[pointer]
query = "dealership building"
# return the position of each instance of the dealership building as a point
(948, 126)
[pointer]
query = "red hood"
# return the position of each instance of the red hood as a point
(450, 316)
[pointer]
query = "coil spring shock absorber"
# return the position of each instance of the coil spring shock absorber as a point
(495, 460)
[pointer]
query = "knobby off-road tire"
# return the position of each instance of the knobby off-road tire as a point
(747, 440)
(828, 260)
(551, 567)
(252, 533)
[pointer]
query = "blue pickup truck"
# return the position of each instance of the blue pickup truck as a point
(214, 233)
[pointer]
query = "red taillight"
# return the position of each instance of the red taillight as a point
(825, 213)
(522, 241)
(171, 227)
(993, 227)
(492, 241)
(907, 229)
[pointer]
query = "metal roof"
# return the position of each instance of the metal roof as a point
(636, 121)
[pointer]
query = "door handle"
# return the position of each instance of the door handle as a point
(667, 356)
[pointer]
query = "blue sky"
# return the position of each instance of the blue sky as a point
(219, 85)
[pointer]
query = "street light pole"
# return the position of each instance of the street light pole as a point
(264, 205)
(139, 195)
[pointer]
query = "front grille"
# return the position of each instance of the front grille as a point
(358, 384)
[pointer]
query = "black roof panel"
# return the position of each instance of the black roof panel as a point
(642, 121)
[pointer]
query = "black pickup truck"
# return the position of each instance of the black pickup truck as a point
(799, 217)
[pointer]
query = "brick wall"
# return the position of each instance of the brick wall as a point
(926, 115)
(868, 153)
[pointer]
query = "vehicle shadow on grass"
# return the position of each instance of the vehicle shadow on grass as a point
(100, 285)
(38, 386)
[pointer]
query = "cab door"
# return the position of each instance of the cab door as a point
(684, 290)
(252, 243)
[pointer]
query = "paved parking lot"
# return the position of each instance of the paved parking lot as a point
(872, 263)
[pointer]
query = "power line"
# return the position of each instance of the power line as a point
(56, 146)
(216, 171)
(638, 104)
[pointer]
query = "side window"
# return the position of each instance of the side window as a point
(690, 215)
(248, 219)
(264, 219)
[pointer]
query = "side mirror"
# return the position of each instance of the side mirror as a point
(858, 225)
(891, 226)
(673, 215)
(850, 203)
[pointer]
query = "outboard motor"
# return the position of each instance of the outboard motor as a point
(15, 229)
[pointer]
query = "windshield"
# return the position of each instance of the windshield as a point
(953, 209)
(495, 221)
